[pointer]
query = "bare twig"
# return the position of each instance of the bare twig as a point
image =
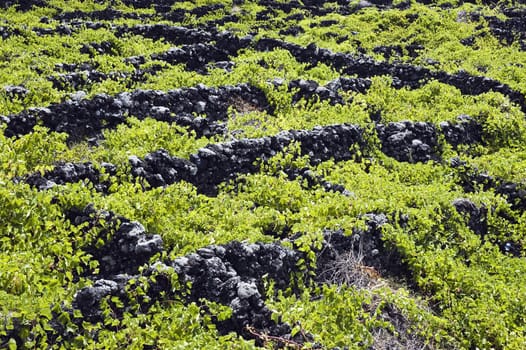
(266, 338)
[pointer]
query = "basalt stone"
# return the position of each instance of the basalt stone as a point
(87, 118)
(5, 32)
(173, 34)
(477, 222)
(108, 14)
(148, 3)
(398, 51)
(511, 248)
(328, 23)
(20, 124)
(466, 131)
(22, 5)
(231, 275)
(469, 41)
(72, 67)
(218, 163)
(511, 29)
(135, 61)
(226, 65)
(366, 246)
(472, 179)
(201, 11)
(350, 84)
(308, 89)
(477, 216)
(69, 172)
(515, 193)
(76, 80)
(214, 23)
(102, 48)
(87, 300)
(311, 90)
(404, 75)
(81, 79)
(15, 91)
(292, 30)
(313, 180)
(328, 142)
(127, 245)
(160, 169)
(196, 56)
(295, 17)
(384, 3)
(409, 142)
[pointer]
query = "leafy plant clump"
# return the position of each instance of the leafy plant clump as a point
(262, 174)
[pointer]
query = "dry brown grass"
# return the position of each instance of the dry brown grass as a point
(349, 269)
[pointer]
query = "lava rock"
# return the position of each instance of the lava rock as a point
(15, 91)
(127, 244)
(217, 163)
(24, 5)
(160, 169)
(88, 300)
(515, 194)
(510, 30)
(173, 34)
(231, 275)
(477, 216)
(366, 247)
(466, 131)
(69, 172)
(313, 180)
(102, 48)
(88, 117)
(471, 179)
(196, 57)
(403, 75)
(292, 30)
(409, 142)
(511, 248)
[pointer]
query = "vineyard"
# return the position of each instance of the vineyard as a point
(345, 174)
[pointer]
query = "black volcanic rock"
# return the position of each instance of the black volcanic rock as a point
(363, 247)
(102, 48)
(478, 223)
(15, 91)
(127, 244)
(70, 173)
(477, 216)
(403, 74)
(217, 163)
(466, 131)
(84, 118)
(515, 193)
(409, 142)
(22, 5)
(512, 29)
(230, 274)
(472, 179)
(311, 90)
